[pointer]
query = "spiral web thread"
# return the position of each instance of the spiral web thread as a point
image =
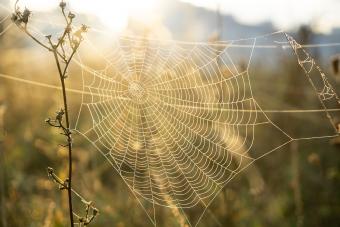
(177, 120)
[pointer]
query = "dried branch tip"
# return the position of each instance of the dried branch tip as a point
(50, 171)
(71, 16)
(21, 17)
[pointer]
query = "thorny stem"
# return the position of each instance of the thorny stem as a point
(21, 20)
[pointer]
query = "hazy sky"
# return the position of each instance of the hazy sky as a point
(323, 15)
(285, 14)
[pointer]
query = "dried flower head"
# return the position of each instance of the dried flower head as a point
(84, 28)
(25, 16)
(50, 171)
(78, 35)
(59, 115)
(71, 15)
(62, 4)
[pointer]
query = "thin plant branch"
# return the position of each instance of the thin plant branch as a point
(73, 39)
(90, 210)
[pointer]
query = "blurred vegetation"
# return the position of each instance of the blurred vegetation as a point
(302, 182)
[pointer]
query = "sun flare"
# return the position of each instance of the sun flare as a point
(113, 14)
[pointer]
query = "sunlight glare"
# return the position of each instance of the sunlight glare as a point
(113, 14)
(37, 5)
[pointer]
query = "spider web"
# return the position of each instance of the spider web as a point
(177, 120)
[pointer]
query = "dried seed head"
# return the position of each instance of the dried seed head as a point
(78, 35)
(25, 16)
(84, 28)
(60, 115)
(62, 4)
(71, 15)
(50, 171)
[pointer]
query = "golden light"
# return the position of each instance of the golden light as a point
(113, 14)
(37, 5)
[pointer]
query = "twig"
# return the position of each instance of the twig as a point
(90, 210)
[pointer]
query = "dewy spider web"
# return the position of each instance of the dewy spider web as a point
(177, 120)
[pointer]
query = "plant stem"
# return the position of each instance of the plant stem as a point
(21, 18)
(89, 217)
(68, 135)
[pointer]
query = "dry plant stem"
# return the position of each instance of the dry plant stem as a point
(66, 128)
(68, 34)
(36, 40)
(89, 205)
(21, 19)
(69, 138)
